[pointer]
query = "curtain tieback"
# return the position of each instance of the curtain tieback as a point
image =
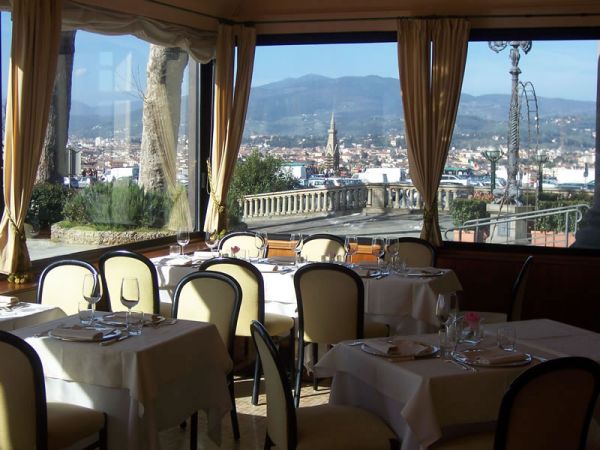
(213, 196)
(19, 231)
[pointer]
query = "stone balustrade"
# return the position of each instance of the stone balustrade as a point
(369, 198)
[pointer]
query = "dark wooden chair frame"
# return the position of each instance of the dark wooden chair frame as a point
(244, 233)
(261, 314)
(129, 254)
(521, 382)
(232, 326)
(41, 420)
(517, 290)
(360, 309)
(64, 262)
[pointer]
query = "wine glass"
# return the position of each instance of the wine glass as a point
(378, 249)
(130, 294)
(453, 305)
(442, 310)
(183, 238)
(91, 291)
(296, 242)
(351, 245)
(260, 241)
(211, 239)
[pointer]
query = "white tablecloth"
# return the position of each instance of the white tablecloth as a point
(391, 299)
(427, 398)
(27, 314)
(145, 383)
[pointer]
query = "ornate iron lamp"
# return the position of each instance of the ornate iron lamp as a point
(540, 159)
(493, 156)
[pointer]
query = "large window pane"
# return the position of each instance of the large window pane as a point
(115, 160)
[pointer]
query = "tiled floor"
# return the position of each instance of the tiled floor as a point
(252, 420)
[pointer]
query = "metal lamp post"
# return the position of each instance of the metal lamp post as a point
(493, 156)
(540, 158)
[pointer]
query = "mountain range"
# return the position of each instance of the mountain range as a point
(363, 106)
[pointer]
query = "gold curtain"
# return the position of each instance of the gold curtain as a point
(431, 59)
(231, 104)
(34, 53)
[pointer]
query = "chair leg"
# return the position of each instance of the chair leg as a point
(299, 371)
(292, 351)
(234, 418)
(315, 355)
(256, 385)
(268, 442)
(194, 431)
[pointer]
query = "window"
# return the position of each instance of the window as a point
(355, 87)
(116, 157)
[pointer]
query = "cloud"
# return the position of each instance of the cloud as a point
(79, 72)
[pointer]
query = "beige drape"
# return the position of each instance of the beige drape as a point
(231, 104)
(431, 59)
(35, 39)
(198, 43)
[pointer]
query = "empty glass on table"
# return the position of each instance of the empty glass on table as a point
(183, 238)
(351, 245)
(130, 295)
(91, 293)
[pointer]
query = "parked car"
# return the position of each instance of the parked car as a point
(453, 180)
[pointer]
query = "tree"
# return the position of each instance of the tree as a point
(55, 160)
(256, 174)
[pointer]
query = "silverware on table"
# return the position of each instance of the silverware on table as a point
(118, 338)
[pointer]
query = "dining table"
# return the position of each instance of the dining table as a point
(405, 301)
(144, 383)
(24, 314)
(428, 398)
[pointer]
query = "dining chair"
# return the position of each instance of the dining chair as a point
(414, 251)
(61, 284)
(245, 241)
(328, 427)
(117, 264)
(28, 421)
(314, 247)
(216, 298)
(330, 310)
(548, 407)
(253, 307)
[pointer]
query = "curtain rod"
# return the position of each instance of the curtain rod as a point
(375, 19)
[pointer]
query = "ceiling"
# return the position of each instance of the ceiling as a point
(282, 10)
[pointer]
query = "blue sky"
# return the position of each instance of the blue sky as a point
(565, 69)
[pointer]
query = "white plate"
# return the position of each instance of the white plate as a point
(425, 273)
(113, 334)
(426, 353)
(462, 359)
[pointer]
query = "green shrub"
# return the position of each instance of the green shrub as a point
(47, 202)
(556, 222)
(464, 209)
(118, 205)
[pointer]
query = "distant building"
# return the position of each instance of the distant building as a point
(332, 150)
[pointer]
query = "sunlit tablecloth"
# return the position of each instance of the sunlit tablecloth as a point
(392, 299)
(145, 383)
(427, 398)
(27, 314)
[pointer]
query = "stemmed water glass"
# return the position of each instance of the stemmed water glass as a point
(183, 238)
(351, 245)
(296, 241)
(260, 241)
(446, 308)
(130, 295)
(91, 291)
(378, 249)
(211, 239)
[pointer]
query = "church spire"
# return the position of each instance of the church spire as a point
(332, 151)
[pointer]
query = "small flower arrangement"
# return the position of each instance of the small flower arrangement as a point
(234, 250)
(473, 331)
(472, 318)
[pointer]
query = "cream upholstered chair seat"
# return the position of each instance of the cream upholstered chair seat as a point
(330, 310)
(29, 422)
(61, 284)
(115, 265)
(323, 427)
(245, 241)
(329, 427)
(253, 306)
(216, 298)
(69, 423)
(313, 248)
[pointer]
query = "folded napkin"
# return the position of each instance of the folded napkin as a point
(397, 347)
(492, 356)
(6, 300)
(179, 261)
(81, 334)
(203, 256)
